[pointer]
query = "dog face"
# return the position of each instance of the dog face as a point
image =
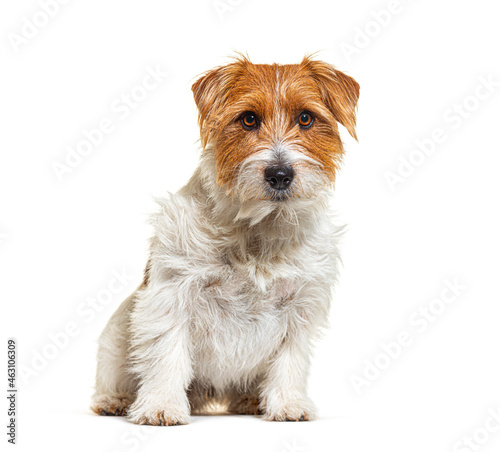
(273, 128)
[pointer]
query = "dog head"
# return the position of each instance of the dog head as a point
(273, 129)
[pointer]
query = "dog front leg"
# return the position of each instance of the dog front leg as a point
(161, 361)
(284, 388)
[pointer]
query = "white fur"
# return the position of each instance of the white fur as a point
(238, 289)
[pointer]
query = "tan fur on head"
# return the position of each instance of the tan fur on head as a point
(243, 258)
(277, 94)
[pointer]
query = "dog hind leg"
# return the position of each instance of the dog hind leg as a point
(115, 385)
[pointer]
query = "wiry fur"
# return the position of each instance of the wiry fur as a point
(239, 283)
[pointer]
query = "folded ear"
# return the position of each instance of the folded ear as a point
(211, 92)
(207, 91)
(340, 92)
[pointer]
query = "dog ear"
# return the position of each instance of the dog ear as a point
(339, 91)
(206, 92)
(211, 92)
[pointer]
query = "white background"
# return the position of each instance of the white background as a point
(61, 241)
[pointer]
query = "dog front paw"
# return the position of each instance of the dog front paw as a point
(163, 416)
(304, 411)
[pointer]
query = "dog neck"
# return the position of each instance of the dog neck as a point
(255, 230)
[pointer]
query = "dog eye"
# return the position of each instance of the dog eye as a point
(305, 120)
(249, 121)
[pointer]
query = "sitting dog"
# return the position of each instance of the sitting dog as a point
(243, 259)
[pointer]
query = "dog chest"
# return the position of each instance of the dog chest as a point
(236, 326)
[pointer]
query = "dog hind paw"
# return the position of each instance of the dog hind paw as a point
(105, 405)
(245, 405)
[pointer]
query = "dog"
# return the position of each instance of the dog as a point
(244, 257)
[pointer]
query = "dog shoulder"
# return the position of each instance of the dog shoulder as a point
(183, 235)
(179, 224)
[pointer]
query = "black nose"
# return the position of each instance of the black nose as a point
(279, 177)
